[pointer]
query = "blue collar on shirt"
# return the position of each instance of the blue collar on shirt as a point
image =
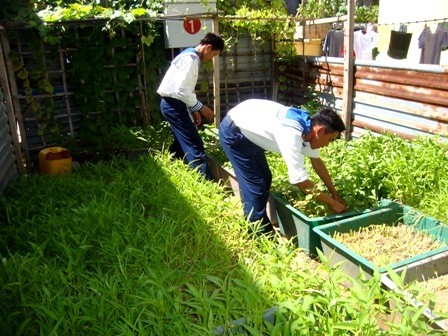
(190, 50)
(297, 119)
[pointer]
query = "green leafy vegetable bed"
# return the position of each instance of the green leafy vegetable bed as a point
(369, 168)
(147, 248)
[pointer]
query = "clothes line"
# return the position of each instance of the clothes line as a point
(409, 22)
(431, 42)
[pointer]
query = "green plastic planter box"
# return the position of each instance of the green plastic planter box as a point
(389, 213)
(294, 223)
(421, 270)
(223, 174)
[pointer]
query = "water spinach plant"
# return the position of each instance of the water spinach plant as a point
(369, 168)
(147, 247)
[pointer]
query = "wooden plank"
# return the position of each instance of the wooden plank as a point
(216, 78)
(348, 68)
(6, 81)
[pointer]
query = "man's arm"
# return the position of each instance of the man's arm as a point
(308, 187)
(333, 200)
(321, 170)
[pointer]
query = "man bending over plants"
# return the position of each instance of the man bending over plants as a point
(257, 125)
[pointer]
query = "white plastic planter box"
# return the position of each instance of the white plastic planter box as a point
(420, 271)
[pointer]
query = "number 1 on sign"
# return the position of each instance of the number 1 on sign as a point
(192, 26)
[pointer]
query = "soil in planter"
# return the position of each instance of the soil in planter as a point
(384, 244)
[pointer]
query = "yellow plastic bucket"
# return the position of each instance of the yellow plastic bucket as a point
(55, 160)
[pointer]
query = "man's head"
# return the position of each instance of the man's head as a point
(210, 46)
(326, 126)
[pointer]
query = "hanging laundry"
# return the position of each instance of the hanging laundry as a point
(372, 31)
(292, 6)
(399, 44)
(432, 44)
(334, 43)
(365, 40)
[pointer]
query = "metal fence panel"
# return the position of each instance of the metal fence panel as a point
(407, 101)
(8, 167)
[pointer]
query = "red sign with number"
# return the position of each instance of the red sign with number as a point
(192, 26)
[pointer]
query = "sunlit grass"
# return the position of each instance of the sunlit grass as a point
(149, 247)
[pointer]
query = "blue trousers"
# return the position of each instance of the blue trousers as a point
(251, 170)
(187, 141)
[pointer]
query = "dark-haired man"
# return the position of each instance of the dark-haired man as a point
(179, 104)
(257, 125)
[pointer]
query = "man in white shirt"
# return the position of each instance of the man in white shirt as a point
(257, 125)
(179, 104)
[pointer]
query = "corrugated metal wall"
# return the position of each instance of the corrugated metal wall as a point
(408, 102)
(9, 137)
(387, 98)
(8, 167)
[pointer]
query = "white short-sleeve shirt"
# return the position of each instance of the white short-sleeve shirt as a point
(180, 79)
(264, 123)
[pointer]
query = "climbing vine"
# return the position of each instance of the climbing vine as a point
(109, 78)
(113, 55)
(36, 87)
(111, 59)
(263, 20)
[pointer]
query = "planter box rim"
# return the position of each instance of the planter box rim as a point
(430, 316)
(301, 215)
(363, 262)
